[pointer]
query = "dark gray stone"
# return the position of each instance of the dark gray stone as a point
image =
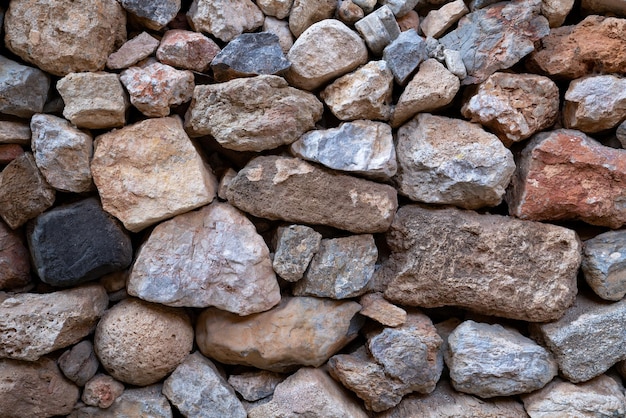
(604, 264)
(153, 14)
(23, 89)
(405, 54)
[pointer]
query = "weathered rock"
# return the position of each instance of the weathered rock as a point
(32, 325)
(253, 386)
(23, 89)
(595, 103)
(9, 152)
(252, 114)
(187, 50)
(154, 14)
(610, 7)
(79, 364)
(556, 11)
(620, 133)
(65, 36)
(101, 391)
(314, 63)
(409, 21)
(305, 13)
(140, 343)
(274, 187)
(376, 307)
(143, 402)
(366, 5)
(604, 264)
(454, 63)
(564, 174)
(360, 147)
(437, 22)
(295, 247)
(14, 259)
(224, 19)
(299, 331)
(311, 393)
(514, 106)
(602, 396)
(278, 8)
(378, 29)
(432, 88)
(471, 171)
(133, 51)
(400, 7)
(435, 49)
(588, 339)
(279, 28)
(487, 263)
(348, 12)
(150, 171)
(25, 191)
(14, 132)
(62, 153)
(34, 389)
(497, 37)
(93, 100)
(404, 55)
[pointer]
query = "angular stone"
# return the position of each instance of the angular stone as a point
(471, 171)
(250, 54)
(305, 13)
(454, 63)
(34, 389)
(596, 103)
(224, 19)
(565, 174)
(252, 114)
(295, 247)
(23, 89)
(400, 7)
(490, 264)
(14, 259)
(187, 50)
(556, 11)
(93, 100)
(437, 22)
(150, 171)
(404, 55)
(9, 152)
(156, 87)
(133, 51)
(79, 364)
(279, 28)
(62, 153)
(432, 88)
(360, 147)
(376, 307)
(314, 63)
(348, 12)
(514, 106)
(602, 396)
(497, 37)
(140, 343)
(274, 187)
(604, 264)
(25, 191)
(154, 14)
(609, 7)
(588, 340)
(32, 325)
(142, 402)
(253, 386)
(278, 8)
(102, 391)
(363, 94)
(312, 393)
(379, 29)
(14, 132)
(65, 36)
(299, 331)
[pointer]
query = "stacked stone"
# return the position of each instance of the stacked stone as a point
(321, 208)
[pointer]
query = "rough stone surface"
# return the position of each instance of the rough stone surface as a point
(376, 307)
(360, 147)
(101, 391)
(299, 331)
(150, 171)
(253, 386)
(79, 364)
(400, 7)
(497, 37)
(274, 187)
(610, 7)
(133, 51)
(32, 325)
(65, 36)
(305, 13)
(621, 134)
(565, 174)
(314, 63)
(437, 22)
(140, 343)
(187, 50)
(454, 63)
(23, 89)
(604, 264)
(470, 171)
(514, 106)
(348, 12)
(224, 19)
(252, 114)
(556, 11)
(409, 21)
(279, 28)
(154, 14)
(14, 259)
(14, 132)
(277, 8)
(62, 153)
(197, 389)
(378, 29)
(404, 55)
(295, 247)
(487, 263)
(9, 152)
(142, 402)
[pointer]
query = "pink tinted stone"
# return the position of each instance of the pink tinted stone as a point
(187, 50)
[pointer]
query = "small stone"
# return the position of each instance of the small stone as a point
(471, 171)
(146, 402)
(295, 247)
(565, 174)
(14, 259)
(15, 132)
(609, 7)
(366, 5)
(187, 50)
(604, 264)
(79, 364)
(379, 29)
(437, 22)
(154, 14)
(621, 368)
(279, 28)
(62, 153)
(454, 63)
(556, 11)
(9, 152)
(156, 87)
(32, 325)
(376, 307)
(133, 51)
(277, 8)
(360, 147)
(404, 55)
(224, 19)
(253, 386)
(432, 88)
(305, 13)
(250, 54)
(101, 391)
(314, 63)
(299, 331)
(596, 103)
(23, 89)
(400, 7)
(348, 12)
(409, 21)
(478, 265)
(274, 187)
(94, 100)
(178, 179)
(25, 191)
(224, 182)
(140, 343)
(435, 49)
(621, 134)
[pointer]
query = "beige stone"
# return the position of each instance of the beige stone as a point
(14, 131)
(304, 13)
(277, 8)
(224, 19)
(376, 307)
(279, 28)
(437, 22)
(556, 11)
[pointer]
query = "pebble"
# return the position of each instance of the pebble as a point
(101, 391)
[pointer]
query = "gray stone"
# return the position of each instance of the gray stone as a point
(187, 50)
(14, 259)
(101, 391)
(305, 13)
(360, 147)
(604, 264)
(197, 389)
(277, 8)
(279, 28)
(621, 134)
(224, 19)
(435, 49)
(366, 5)
(376, 307)
(295, 247)
(437, 22)
(253, 386)
(79, 364)
(405, 54)
(454, 63)
(23, 89)
(153, 14)
(133, 51)
(400, 7)
(378, 29)
(14, 132)
(143, 402)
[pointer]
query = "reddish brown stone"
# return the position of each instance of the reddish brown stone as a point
(565, 175)
(187, 50)
(9, 152)
(14, 259)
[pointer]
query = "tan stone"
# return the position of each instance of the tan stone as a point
(14, 131)
(304, 13)
(608, 7)
(437, 22)
(187, 50)
(224, 19)
(376, 307)
(556, 11)
(278, 8)
(9, 152)
(279, 28)
(133, 51)
(409, 21)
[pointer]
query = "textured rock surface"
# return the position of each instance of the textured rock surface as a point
(295, 247)
(380, 310)
(437, 22)
(604, 264)
(279, 28)
(452, 257)
(14, 132)
(9, 152)
(23, 89)
(101, 391)
(404, 55)
(400, 7)
(14, 259)
(305, 13)
(621, 133)
(154, 14)
(253, 386)
(143, 402)
(79, 364)
(379, 29)
(277, 8)
(133, 51)
(274, 188)
(187, 50)
(224, 19)
(556, 11)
